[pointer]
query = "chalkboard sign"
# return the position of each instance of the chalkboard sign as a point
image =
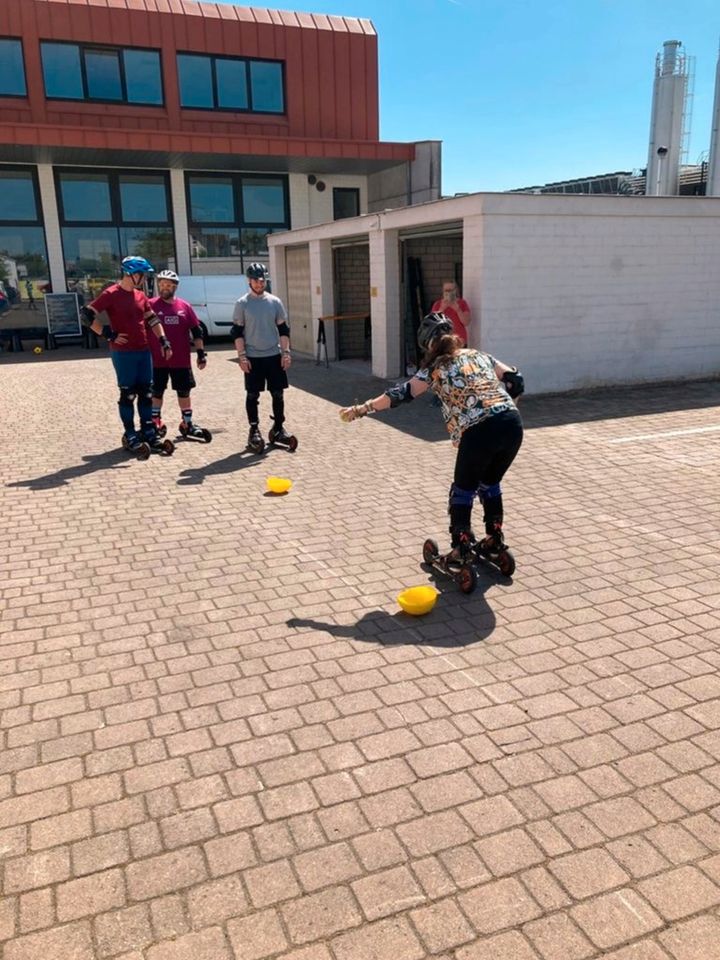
(63, 315)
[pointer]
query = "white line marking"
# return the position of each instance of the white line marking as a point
(668, 433)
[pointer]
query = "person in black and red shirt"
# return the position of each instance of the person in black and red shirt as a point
(131, 316)
(180, 323)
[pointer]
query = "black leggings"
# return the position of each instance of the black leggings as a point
(484, 455)
(487, 450)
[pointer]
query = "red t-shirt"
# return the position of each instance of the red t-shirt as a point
(452, 314)
(178, 318)
(126, 310)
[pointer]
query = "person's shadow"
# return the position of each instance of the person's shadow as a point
(193, 476)
(456, 620)
(110, 460)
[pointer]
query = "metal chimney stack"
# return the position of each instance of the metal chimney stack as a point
(666, 124)
(713, 183)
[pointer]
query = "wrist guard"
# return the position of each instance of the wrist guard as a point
(164, 342)
(202, 356)
(109, 333)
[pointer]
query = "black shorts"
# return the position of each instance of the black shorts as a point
(266, 370)
(182, 379)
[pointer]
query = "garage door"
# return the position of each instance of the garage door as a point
(297, 265)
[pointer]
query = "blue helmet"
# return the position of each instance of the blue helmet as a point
(132, 265)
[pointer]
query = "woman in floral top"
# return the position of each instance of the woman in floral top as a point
(476, 393)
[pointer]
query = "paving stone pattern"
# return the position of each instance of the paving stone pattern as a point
(221, 740)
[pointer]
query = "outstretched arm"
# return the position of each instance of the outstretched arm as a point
(393, 397)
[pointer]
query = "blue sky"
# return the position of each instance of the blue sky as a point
(524, 92)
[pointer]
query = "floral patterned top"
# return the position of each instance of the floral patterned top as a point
(468, 389)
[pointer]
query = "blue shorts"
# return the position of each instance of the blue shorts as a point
(133, 368)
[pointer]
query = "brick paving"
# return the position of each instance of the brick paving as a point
(221, 740)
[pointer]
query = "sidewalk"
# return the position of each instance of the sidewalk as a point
(221, 740)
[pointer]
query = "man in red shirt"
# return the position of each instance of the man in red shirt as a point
(131, 316)
(180, 324)
(455, 309)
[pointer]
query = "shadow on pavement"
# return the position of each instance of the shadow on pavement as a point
(236, 461)
(456, 621)
(420, 419)
(111, 460)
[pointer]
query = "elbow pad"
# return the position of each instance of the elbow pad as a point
(283, 329)
(152, 321)
(400, 393)
(237, 330)
(196, 332)
(514, 383)
(87, 315)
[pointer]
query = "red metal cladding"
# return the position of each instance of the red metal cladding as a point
(330, 61)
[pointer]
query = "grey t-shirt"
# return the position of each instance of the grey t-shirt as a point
(260, 317)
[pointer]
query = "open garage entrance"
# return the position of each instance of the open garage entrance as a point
(427, 260)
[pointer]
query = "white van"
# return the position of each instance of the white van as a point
(213, 300)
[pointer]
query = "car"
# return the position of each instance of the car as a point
(213, 300)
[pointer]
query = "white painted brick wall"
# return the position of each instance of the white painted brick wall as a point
(584, 301)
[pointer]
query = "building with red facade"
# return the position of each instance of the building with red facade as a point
(183, 131)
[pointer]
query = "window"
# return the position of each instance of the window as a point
(231, 217)
(23, 255)
(230, 83)
(346, 202)
(107, 216)
(108, 74)
(12, 69)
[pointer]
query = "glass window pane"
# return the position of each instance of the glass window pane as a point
(156, 244)
(211, 200)
(61, 69)
(12, 71)
(102, 68)
(263, 200)
(215, 243)
(195, 81)
(231, 84)
(85, 196)
(142, 76)
(267, 86)
(143, 199)
(346, 202)
(254, 241)
(17, 196)
(24, 266)
(91, 254)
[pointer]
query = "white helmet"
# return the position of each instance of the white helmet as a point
(168, 275)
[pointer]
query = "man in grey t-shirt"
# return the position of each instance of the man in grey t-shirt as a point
(262, 339)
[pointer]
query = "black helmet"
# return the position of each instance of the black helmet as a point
(256, 271)
(431, 327)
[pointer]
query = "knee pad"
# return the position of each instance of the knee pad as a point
(144, 391)
(127, 395)
(459, 497)
(277, 394)
(486, 491)
(252, 396)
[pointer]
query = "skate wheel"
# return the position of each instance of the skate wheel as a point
(292, 444)
(207, 436)
(167, 447)
(467, 578)
(257, 448)
(506, 563)
(124, 442)
(430, 551)
(143, 451)
(162, 430)
(183, 430)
